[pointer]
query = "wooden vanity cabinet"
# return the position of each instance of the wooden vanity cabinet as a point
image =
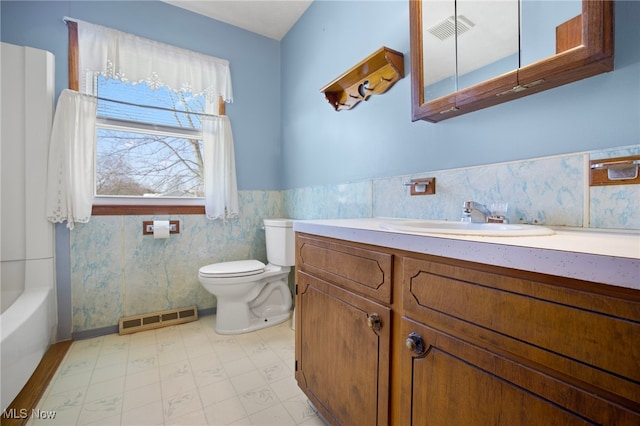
(460, 343)
(343, 332)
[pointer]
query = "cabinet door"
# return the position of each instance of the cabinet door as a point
(342, 353)
(572, 330)
(449, 381)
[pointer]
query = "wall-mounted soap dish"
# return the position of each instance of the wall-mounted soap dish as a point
(422, 186)
(615, 171)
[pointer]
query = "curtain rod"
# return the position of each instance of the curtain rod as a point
(67, 19)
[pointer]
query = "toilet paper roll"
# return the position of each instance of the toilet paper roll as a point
(160, 229)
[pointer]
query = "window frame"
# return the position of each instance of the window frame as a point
(120, 205)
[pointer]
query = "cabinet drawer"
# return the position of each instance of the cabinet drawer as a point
(578, 329)
(362, 270)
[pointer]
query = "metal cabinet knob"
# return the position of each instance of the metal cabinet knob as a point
(374, 322)
(415, 344)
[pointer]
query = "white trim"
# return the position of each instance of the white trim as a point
(147, 128)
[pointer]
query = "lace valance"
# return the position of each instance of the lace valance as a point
(134, 59)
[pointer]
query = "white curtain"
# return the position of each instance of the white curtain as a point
(134, 59)
(71, 154)
(220, 188)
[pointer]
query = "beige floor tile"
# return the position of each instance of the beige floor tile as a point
(141, 396)
(106, 359)
(177, 405)
(67, 409)
(107, 373)
(68, 382)
(107, 421)
(286, 388)
(300, 410)
(179, 375)
(225, 412)
(275, 372)
(143, 378)
(137, 364)
(142, 339)
(273, 416)
(247, 381)
(146, 415)
(100, 409)
(264, 356)
(238, 367)
(217, 392)
(194, 418)
(104, 389)
(78, 364)
(258, 399)
(242, 422)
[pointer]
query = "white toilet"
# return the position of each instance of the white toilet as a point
(250, 294)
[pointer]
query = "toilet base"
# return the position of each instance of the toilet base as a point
(253, 324)
(246, 304)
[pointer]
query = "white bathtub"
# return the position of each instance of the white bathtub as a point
(28, 328)
(28, 318)
(28, 312)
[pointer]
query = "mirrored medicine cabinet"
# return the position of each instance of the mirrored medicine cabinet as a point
(472, 54)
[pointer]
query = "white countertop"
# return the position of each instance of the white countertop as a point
(602, 256)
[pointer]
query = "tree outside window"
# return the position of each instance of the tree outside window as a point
(149, 142)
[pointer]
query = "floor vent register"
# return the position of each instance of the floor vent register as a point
(135, 323)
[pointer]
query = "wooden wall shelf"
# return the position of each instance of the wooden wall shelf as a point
(372, 76)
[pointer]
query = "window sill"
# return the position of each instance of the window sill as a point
(139, 209)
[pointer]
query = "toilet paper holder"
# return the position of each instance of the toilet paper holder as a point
(147, 227)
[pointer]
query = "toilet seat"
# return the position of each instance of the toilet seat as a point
(236, 268)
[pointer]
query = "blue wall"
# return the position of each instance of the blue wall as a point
(255, 64)
(288, 136)
(378, 139)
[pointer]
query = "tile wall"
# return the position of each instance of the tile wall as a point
(116, 271)
(551, 190)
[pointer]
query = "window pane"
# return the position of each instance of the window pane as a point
(130, 163)
(169, 108)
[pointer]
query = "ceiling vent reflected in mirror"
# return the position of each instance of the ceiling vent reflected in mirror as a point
(447, 28)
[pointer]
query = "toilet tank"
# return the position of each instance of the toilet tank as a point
(280, 241)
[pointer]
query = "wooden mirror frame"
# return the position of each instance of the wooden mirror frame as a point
(585, 46)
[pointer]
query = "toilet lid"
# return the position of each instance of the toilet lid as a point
(236, 268)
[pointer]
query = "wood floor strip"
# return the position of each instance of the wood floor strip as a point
(35, 386)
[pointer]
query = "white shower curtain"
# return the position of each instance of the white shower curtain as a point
(71, 154)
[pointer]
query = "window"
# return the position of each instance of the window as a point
(148, 142)
(155, 153)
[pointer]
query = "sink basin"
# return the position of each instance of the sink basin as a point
(466, 228)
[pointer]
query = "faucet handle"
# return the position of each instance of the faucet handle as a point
(499, 208)
(497, 219)
(498, 212)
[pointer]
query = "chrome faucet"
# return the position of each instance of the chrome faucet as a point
(475, 212)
